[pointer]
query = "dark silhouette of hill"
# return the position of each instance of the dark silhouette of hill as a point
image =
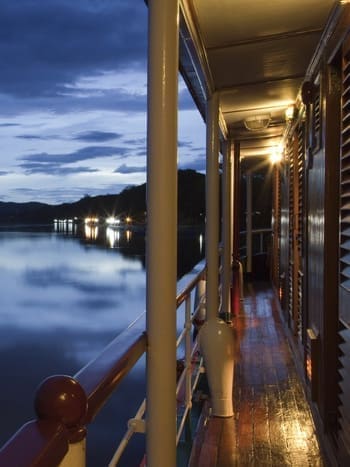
(130, 202)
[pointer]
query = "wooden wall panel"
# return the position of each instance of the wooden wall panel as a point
(344, 409)
(315, 213)
(276, 228)
(284, 241)
(344, 263)
(344, 310)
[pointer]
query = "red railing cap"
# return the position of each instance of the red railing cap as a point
(61, 398)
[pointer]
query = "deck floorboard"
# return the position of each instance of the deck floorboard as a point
(272, 423)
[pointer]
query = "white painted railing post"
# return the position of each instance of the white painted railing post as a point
(161, 245)
(76, 455)
(188, 352)
(212, 206)
(249, 220)
(227, 231)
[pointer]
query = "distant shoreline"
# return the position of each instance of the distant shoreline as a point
(50, 225)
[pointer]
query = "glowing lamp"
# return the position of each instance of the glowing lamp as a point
(289, 113)
(276, 155)
(257, 122)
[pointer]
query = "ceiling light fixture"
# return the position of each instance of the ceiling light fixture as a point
(276, 155)
(257, 122)
(289, 113)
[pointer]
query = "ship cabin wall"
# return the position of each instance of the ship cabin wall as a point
(311, 237)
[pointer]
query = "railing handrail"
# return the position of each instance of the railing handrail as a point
(181, 297)
(45, 441)
(101, 376)
(257, 231)
(38, 443)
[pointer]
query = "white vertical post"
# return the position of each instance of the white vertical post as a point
(249, 221)
(233, 199)
(236, 199)
(227, 230)
(188, 346)
(215, 336)
(76, 455)
(161, 246)
(212, 206)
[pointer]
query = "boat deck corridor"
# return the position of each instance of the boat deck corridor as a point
(272, 423)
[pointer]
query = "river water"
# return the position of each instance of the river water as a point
(66, 293)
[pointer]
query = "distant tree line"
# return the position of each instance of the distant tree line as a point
(130, 202)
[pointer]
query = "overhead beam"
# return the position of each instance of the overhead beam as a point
(253, 109)
(230, 89)
(241, 136)
(267, 38)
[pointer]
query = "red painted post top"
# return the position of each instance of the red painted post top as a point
(61, 398)
(61, 406)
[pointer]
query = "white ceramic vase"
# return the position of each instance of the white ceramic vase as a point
(217, 347)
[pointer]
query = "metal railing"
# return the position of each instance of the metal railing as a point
(260, 241)
(65, 405)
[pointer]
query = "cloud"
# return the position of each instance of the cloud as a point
(114, 100)
(31, 168)
(5, 125)
(73, 81)
(86, 153)
(57, 41)
(32, 137)
(185, 144)
(98, 136)
(126, 169)
(185, 100)
(136, 142)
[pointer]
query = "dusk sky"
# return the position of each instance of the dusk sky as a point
(73, 100)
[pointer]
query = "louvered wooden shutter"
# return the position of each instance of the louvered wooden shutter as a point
(276, 228)
(300, 223)
(345, 191)
(291, 230)
(316, 119)
(344, 260)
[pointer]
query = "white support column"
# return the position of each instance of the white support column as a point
(233, 199)
(227, 230)
(236, 199)
(249, 220)
(212, 207)
(215, 336)
(161, 246)
(76, 455)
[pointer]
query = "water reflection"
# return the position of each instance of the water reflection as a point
(113, 237)
(62, 303)
(91, 231)
(200, 243)
(65, 295)
(68, 226)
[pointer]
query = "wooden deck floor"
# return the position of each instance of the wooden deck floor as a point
(272, 424)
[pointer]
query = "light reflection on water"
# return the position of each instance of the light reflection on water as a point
(91, 232)
(64, 297)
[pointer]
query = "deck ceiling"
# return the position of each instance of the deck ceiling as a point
(255, 53)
